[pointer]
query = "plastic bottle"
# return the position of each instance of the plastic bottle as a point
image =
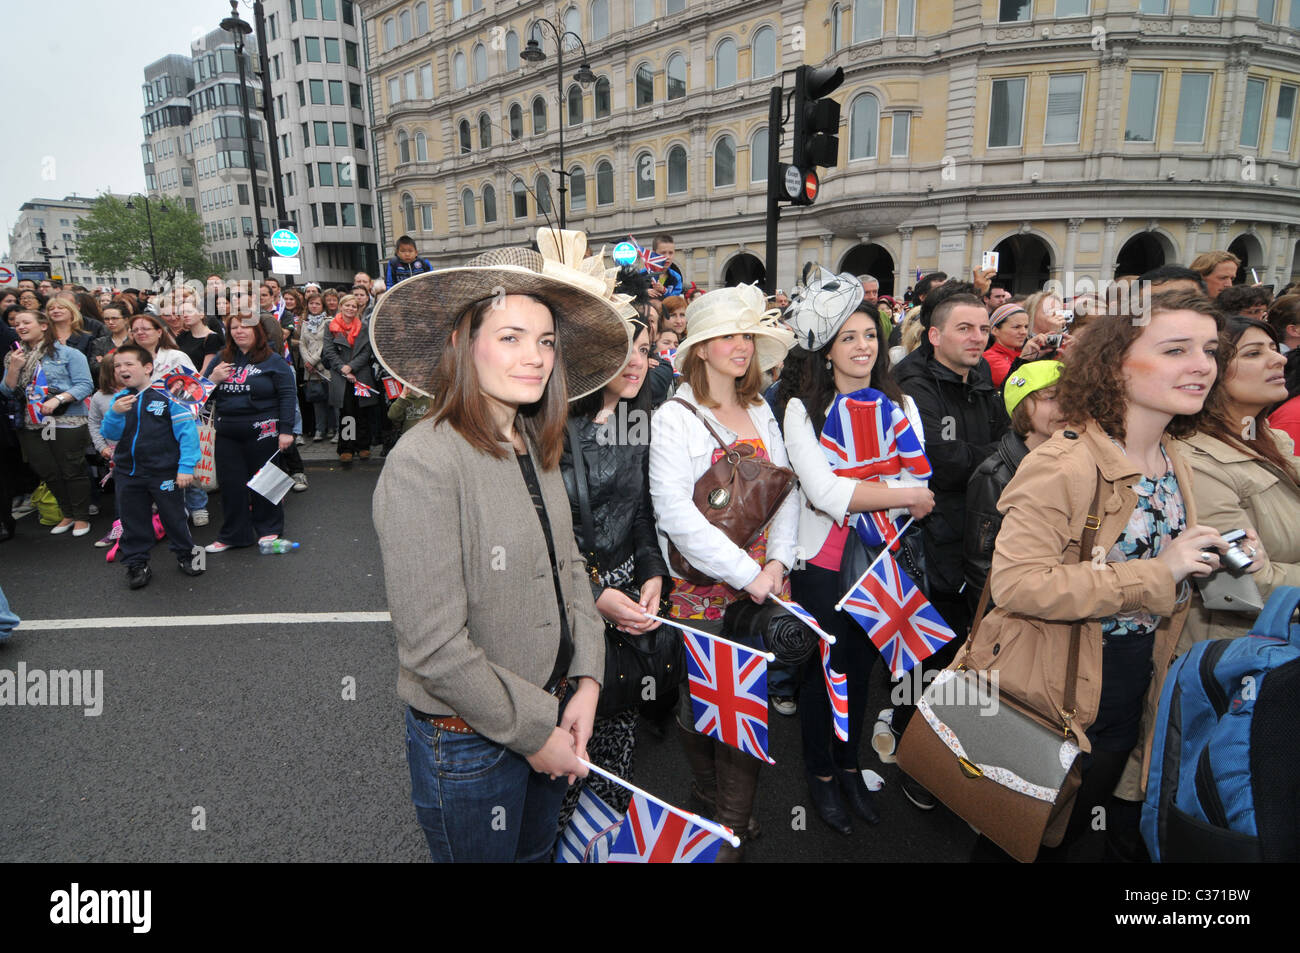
(271, 547)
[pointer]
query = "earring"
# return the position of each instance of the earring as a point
(828, 363)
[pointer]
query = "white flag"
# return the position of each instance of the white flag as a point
(270, 481)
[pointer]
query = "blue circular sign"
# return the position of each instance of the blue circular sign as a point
(625, 253)
(285, 243)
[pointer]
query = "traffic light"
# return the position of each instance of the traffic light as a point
(816, 119)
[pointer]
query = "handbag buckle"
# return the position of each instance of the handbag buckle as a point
(970, 769)
(1068, 718)
(1092, 522)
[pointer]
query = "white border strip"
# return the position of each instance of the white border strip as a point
(187, 621)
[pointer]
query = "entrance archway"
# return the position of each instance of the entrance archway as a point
(874, 260)
(1140, 254)
(1247, 247)
(744, 269)
(1024, 263)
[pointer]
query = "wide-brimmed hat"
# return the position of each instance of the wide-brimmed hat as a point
(739, 310)
(821, 306)
(412, 323)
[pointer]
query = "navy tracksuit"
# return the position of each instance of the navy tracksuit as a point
(156, 439)
(396, 270)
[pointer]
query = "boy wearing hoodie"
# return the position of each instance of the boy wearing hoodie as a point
(157, 449)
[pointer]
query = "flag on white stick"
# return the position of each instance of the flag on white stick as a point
(726, 833)
(717, 638)
(839, 606)
(804, 616)
(270, 481)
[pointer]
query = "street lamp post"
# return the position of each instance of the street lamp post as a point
(240, 28)
(533, 54)
(148, 217)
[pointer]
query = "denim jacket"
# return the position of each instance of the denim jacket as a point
(66, 371)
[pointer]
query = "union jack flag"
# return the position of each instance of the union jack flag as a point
(590, 833)
(652, 834)
(837, 690)
(868, 437)
(728, 693)
(38, 391)
(362, 390)
(654, 262)
(897, 617)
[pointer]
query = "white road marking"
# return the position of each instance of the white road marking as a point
(187, 621)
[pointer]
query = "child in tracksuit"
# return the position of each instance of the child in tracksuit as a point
(405, 263)
(157, 449)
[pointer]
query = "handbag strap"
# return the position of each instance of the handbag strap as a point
(689, 406)
(580, 481)
(1090, 526)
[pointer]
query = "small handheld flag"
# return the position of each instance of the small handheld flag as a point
(718, 830)
(590, 833)
(896, 616)
(362, 390)
(270, 481)
(806, 617)
(38, 391)
(837, 690)
(652, 834)
(728, 685)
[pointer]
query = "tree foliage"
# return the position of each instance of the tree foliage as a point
(116, 238)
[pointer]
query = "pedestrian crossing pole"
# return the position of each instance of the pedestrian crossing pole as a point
(773, 185)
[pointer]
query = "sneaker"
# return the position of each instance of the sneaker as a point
(268, 539)
(919, 796)
(299, 482)
(317, 438)
(199, 517)
(783, 705)
(23, 506)
(331, 435)
(298, 441)
(217, 547)
(113, 536)
(94, 510)
(186, 565)
(138, 576)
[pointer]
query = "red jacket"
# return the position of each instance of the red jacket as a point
(1000, 359)
(1287, 418)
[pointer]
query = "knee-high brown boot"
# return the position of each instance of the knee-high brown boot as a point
(699, 755)
(737, 785)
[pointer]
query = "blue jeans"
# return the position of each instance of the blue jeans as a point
(477, 801)
(196, 498)
(8, 621)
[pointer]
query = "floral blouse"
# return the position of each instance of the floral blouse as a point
(1157, 519)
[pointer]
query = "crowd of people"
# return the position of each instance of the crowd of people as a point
(989, 427)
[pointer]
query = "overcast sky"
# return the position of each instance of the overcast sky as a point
(70, 72)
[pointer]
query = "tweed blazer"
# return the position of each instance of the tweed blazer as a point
(469, 586)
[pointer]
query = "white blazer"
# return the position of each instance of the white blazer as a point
(681, 449)
(824, 497)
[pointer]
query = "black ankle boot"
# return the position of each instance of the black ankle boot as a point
(826, 799)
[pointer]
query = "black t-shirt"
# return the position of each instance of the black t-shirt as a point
(565, 654)
(198, 349)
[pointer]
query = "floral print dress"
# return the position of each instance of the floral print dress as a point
(690, 601)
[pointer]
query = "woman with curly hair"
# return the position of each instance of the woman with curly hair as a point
(1128, 388)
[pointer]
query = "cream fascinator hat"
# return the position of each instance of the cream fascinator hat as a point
(739, 310)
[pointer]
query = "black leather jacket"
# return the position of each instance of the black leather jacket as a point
(618, 489)
(982, 517)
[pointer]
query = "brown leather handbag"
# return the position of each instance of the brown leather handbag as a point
(739, 495)
(1012, 775)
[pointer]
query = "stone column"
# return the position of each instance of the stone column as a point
(977, 248)
(1192, 239)
(1108, 254)
(1221, 233)
(1068, 280)
(828, 241)
(902, 278)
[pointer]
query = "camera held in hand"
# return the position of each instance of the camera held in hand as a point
(1234, 557)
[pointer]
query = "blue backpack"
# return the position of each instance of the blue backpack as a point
(1224, 784)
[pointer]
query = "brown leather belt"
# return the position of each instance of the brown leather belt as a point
(459, 726)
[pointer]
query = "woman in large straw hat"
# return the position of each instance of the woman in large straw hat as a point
(500, 647)
(731, 339)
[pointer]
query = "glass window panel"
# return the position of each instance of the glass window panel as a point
(331, 50)
(906, 17)
(724, 162)
(1006, 112)
(724, 65)
(643, 11)
(1071, 8)
(336, 92)
(341, 134)
(484, 131)
(758, 146)
(467, 208)
(901, 133)
(329, 213)
(577, 190)
(676, 76)
(599, 19)
(489, 204)
(864, 127)
(1203, 8)
(1014, 11)
(322, 133)
(1266, 10)
(1064, 108)
(313, 49)
(645, 86)
(1285, 118)
(602, 97)
(763, 52)
(1193, 99)
(604, 184)
(676, 170)
(325, 173)
(1253, 113)
(539, 116)
(645, 176)
(1143, 102)
(868, 18)
(519, 197)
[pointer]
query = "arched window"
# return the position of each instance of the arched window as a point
(489, 204)
(403, 145)
(404, 24)
(519, 194)
(645, 176)
(724, 162)
(763, 53)
(868, 19)
(408, 211)
(462, 133)
(484, 131)
(602, 97)
(577, 190)
(575, 105)
(480, 63)
(645, 86)
(599, 19)
(604, 182)
(542, 186)
(467, 208)
(837, 28)
(421, 19)
(458, 77)
(864, 127)
(676, 170)
(421, 148)
(758, 156)
(643, 11)
(676, 76)
(390, 33)
(516, 122)
(512, 50)
(539, 116)
(724, 64)
(573, 20)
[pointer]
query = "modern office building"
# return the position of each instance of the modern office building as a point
(195, 148)
(1079, 138)
(60, 220)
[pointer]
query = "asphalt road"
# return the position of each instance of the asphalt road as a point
(236, 743)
